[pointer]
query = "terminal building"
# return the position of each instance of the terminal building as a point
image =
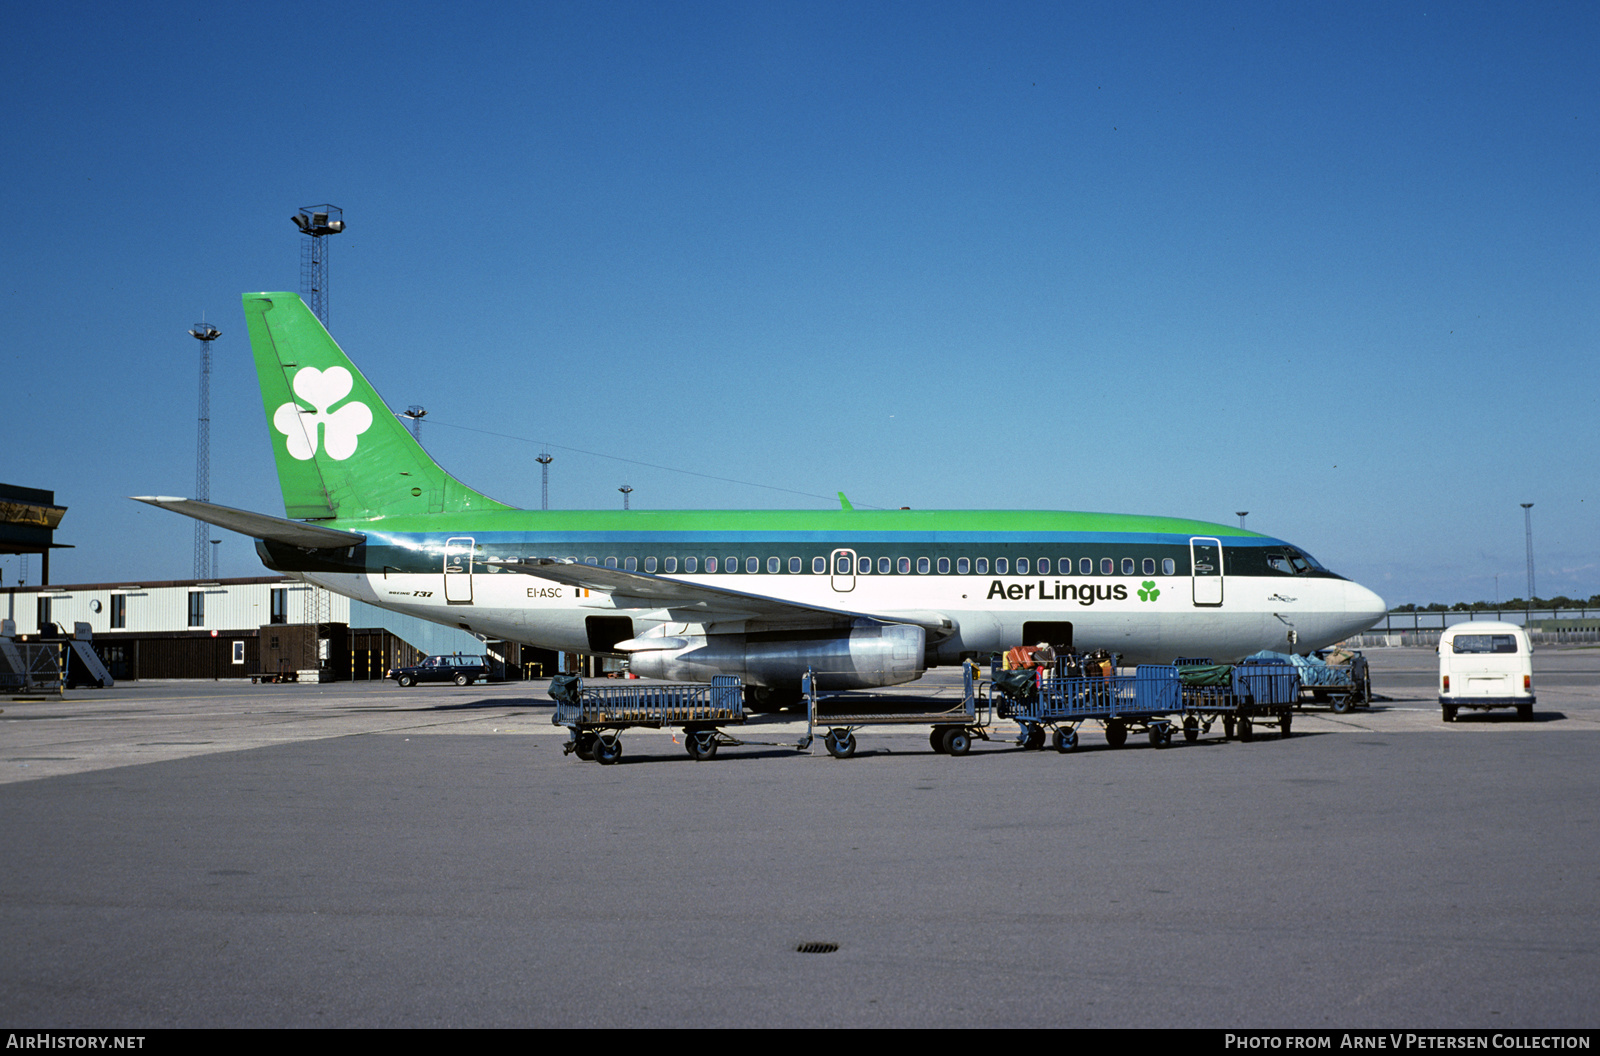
(246, 628)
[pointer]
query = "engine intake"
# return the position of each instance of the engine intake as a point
(868, 654)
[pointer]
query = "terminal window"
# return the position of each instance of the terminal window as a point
(197, 609)
(119, 611)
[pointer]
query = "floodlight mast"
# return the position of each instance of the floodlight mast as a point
(544, 460)
(204, 333)
(316, 222)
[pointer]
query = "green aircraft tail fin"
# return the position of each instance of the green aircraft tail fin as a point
(339, 450)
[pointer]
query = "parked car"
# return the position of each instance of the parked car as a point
(456, 668)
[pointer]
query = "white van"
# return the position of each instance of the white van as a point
(1484, 664)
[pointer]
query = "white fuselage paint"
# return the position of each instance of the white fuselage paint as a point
(1256, 613)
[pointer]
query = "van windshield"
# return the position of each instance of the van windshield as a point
(1484, 643)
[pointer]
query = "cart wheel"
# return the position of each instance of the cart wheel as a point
(1525, 712)
(607, 750)
(957, 741)
(1191, 729)
(1066, 739)
(702, 744)
(1227, 726)
(1339, 702)
(407, 680)
(936, 738)
(1449, 713)
(1283, 724)
(841, 744)
(1247, 730)
(585, 746)
(1116, 734)
(1161, 735)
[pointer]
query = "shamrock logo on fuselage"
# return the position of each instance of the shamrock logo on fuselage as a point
(1148, 591)
(339, 431)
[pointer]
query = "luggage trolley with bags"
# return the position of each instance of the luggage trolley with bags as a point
(1090, 689)
(596, 717)
(1243, 696)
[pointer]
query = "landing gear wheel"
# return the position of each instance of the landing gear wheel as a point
(841, 744)
(1247, 730)
(1116, 734)
(957, 741)
(702, 744)
(936, 738)
(1191, 729)
(607, 749)
(1065, 739)
(462, 680)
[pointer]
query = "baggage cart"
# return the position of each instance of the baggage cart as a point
(596, 717)
(1241, 696)
(1149, 701)
(1339, 686)
(952, 728)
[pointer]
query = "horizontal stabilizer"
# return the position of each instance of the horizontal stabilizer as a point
(258, 525)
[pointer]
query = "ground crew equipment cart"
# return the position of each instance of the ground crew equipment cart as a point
(596, 717)
(1242, 696)
(952, 728)
(1145, 701)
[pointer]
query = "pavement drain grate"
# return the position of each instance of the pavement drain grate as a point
(817, 947)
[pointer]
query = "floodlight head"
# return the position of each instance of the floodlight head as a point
(300, 222)
(205, 332)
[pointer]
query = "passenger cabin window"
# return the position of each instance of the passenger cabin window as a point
(903, 566)
(691, 564)
(649, 564)
(773, 566)
(1484, 643)
(1001, 566)
(630, 564)
(611, 562)
(1085, 566)
(1149, 566)
(794, 566)
(863, 566)
(922, 566)
(819, 565)
(963, 566)
(1127, 566)
(1044, 566)
(711, 564)
(1168, 566)
(731, 565)
(883, 566)
(981, 566)
(670, 564)
(1108, 566)
(944, 566)
(1022, 566)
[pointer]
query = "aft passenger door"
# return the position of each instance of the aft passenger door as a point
(458, 570)
(1205, 562)
(842, 567)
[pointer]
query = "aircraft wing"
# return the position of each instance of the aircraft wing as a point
(258, 525)
(674, 593)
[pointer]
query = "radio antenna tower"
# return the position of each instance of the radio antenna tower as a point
(544, 460)
(205, 333)
(316, 222)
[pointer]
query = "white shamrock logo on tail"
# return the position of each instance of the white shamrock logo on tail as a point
(339, 429)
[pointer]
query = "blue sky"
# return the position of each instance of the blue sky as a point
(1334, 264)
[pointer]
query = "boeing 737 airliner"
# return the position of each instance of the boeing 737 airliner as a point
(864, 598)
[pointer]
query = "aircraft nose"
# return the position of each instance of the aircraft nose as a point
(1364, 607)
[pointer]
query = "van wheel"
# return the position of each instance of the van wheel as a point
(1525, 712)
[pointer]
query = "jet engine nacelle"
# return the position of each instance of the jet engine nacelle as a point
(867, 654)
